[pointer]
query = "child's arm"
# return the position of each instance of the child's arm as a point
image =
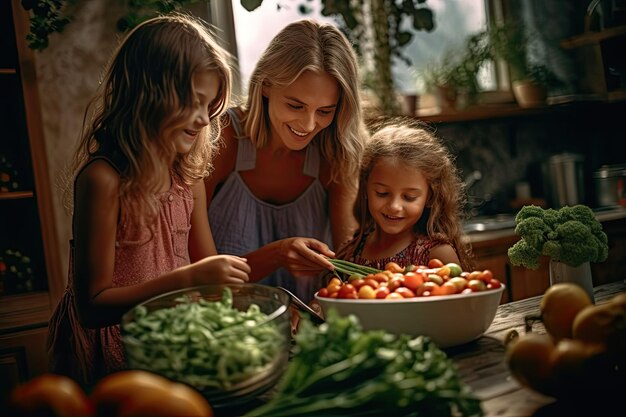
(95, 225)
(445, 253)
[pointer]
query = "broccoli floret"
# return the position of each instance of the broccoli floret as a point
(571, 235)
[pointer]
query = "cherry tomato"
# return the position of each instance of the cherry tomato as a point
(366, 292)
(493, 284)
(357, 283)
(455, 269)
(394, 296)
(393, 267)
(449, 288)
(476, 285)
(323, 292)
(413, 280)
(443, 271)
(459, 282)
(382, 292)
(371, 282)
(405, 292)
(347, 291)
(487, 275)
(435, 263)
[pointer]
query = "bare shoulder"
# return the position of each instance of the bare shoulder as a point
(444, 252)
(99, 176)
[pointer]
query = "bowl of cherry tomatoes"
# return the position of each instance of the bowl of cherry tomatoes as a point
(449, 305)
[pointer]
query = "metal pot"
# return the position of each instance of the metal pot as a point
(564, 175)
(609, 183)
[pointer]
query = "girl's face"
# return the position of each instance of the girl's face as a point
(396, 196)
(205, 85)
(299, 111)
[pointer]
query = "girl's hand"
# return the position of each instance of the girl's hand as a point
(304, 256)
(219, 269)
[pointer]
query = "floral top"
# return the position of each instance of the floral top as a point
(416, 253)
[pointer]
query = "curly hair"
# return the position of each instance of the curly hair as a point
(147, 89)
(307, 45)
(415, 144)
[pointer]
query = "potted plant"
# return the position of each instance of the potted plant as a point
(570, 236)
(529, 80)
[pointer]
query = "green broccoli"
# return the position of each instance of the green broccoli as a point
(571, 235)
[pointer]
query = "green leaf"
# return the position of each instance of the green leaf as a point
(423, 20)
(251, 5)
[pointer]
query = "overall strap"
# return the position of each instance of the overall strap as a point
(246, 152)
(312, 160)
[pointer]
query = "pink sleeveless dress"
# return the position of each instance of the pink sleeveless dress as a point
(141, 254)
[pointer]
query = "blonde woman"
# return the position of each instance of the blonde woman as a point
(284, 181)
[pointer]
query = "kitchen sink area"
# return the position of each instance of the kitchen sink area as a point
(489, 223)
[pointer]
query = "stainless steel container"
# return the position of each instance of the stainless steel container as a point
(565, 179)
(609, 183)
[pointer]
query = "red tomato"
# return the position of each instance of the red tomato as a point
(449, 288)
(347, 291)
(405, 292)
(323, 292)
(413, 280)
(50, 394)
(487, 275)
(382, 292)
(395, 283)
(493, 284)
(435, 263)
(371, 282)
(357, 283)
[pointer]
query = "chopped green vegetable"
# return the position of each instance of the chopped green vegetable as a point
(340, 370)
(206, 344)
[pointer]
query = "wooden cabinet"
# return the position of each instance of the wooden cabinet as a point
(521, 282)
(31, 280)
(524, 283)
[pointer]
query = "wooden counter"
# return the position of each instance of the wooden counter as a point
(482, 366)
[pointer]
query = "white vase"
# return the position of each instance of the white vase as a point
(581, 275)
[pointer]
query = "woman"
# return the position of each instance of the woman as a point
(284, 181)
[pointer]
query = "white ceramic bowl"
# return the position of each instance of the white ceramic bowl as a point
(449, 320)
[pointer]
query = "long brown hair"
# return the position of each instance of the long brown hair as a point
(147, 88)
(416, 145)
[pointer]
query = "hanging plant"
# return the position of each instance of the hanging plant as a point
(52, 16)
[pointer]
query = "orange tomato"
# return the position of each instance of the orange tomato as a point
(49, 395)
(435, 263)
(559, 306)
(135, 393)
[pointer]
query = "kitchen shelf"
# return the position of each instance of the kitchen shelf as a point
(502, 111)
(15, 195)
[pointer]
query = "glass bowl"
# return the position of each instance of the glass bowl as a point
(229, 341)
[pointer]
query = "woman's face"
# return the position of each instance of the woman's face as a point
(396, 196)
(205, 85)
(302, 109)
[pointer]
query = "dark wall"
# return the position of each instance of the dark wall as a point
(510, 150)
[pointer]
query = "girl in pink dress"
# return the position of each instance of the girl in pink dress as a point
(139, 206)
(409, 201)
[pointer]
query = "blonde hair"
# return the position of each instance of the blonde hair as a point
(318, 47)
(147, 88)
(415, 145)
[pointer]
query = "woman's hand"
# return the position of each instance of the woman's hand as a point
(304, 256)
(219, 269)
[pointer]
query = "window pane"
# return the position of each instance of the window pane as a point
(455, 19)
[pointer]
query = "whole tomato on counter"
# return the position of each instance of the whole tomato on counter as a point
(131, 393)
(49, 395)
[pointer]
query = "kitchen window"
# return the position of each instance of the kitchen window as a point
(454, 20)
